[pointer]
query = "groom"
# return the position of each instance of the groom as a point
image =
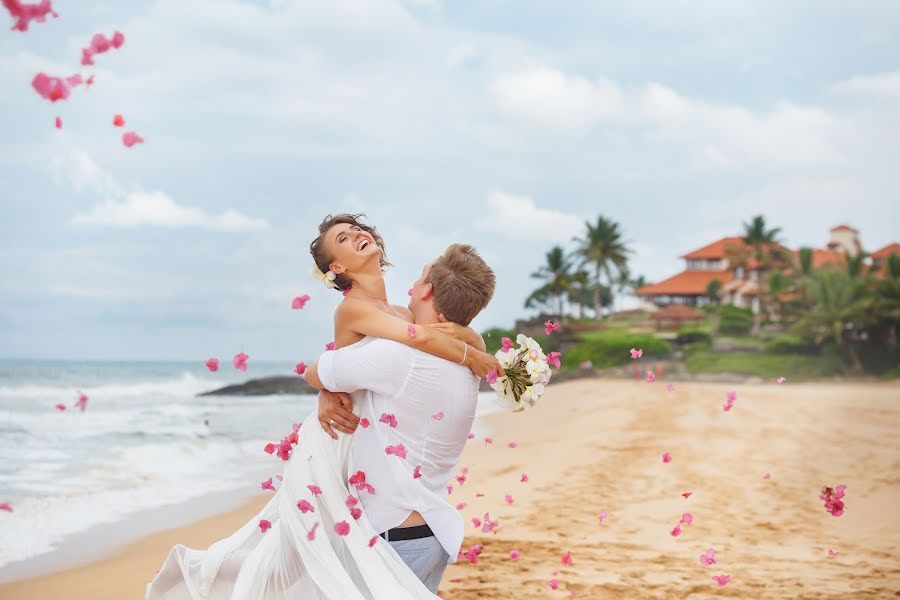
(419, 410)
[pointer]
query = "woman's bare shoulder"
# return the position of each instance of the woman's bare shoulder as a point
(403, 312)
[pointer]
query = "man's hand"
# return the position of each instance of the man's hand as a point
(336, 412)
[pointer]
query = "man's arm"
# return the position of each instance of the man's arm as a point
(377, 365)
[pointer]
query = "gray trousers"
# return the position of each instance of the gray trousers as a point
(425, 557)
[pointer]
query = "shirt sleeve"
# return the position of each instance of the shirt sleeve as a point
(381, 366)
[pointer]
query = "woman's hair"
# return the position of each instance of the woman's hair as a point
(322, 257)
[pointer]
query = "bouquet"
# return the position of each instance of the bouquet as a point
(525, 375)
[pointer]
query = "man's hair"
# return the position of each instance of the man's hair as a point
(323, 258)
(462, 283)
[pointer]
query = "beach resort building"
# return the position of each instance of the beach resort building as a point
(732, 263)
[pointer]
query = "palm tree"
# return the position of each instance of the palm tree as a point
(603, 249)
(855, 264)
(756, 233)
(559, 275)
(712, 291)
(768, 253)
(806, 262)
(835, 310)
(581, 294)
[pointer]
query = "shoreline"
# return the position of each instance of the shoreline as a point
(773, 535)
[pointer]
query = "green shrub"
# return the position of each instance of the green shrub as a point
(493, 335)
(493, 339)
(610, 348)
(790, 344)
(693, 335)
(735, 321)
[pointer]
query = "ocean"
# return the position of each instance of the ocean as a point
(138, 459)
(140, 445)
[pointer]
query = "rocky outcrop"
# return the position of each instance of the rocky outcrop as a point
(264, 386)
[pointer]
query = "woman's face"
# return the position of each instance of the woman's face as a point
(350, 247)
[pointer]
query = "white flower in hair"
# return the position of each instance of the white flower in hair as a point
(326, 278)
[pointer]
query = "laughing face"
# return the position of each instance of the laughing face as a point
(351, 247)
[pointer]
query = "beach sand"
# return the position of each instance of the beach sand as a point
(597, 444)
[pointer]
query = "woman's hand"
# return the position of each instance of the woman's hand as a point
(336, 410)
(482, 363)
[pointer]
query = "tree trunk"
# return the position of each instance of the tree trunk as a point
(560, 305)
(597, 313)
(612, 295)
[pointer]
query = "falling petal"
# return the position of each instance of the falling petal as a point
(240, 361)
(212, 364)
(342, 528)
(264, 525)
(130, 138)
(26, 13)
(118, 120)
(299, 302)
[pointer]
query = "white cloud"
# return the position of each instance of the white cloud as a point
(519, 218)
(707, 133)
(156, 209)
(884, 85)
(136, 208)
(548, 95)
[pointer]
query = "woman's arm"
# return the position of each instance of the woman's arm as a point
(363, 318)
(460, 332)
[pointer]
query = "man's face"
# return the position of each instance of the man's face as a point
(420, 291)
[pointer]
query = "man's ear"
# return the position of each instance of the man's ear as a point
(442, 318)
(427, 292)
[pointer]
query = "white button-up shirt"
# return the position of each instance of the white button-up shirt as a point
(433, 401)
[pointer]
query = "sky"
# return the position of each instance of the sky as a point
(501, 123)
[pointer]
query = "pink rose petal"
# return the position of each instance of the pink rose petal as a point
(342, 528)
(311, 535)
(721, 580)
(130, 138)
(212, 364)
(24, 14)
(118, 120)
(514, 554)
(398, 450)
(417, 472)
(264, 525)
(550, 327)
(267, 485)
(524, 478)
(373, 541)
(635, 353)
(708, 558)
(329, 346)
(506, 344)
(240, 361)
(438, 415)
(553, 359)
(567, 558)
(304, 506)
(300, 369)
(666, 457)
(299, 302)
(388, 419)
(315, 490)
(364, 423)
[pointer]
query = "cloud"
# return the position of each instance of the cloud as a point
(122, 208)
(708, 133)
(156, 209)
(884, 85)
(519, 218)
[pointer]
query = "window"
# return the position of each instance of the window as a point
(739, 273)
(714, 264)
(754, 275)
(693, 263)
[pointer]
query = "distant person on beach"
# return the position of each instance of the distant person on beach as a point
(311, 540)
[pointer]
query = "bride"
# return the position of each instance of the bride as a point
(311, 553)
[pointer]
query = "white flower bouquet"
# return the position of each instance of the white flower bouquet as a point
(526, 373)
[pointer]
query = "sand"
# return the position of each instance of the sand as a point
(596, 444)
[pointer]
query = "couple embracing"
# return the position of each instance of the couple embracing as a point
(362, 512)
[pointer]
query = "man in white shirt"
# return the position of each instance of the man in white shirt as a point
(419, 410)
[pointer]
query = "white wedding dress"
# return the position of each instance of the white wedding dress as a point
(283, 563)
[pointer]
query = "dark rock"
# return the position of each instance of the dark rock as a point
(264, 386)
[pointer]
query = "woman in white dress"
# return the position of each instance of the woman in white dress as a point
(308, 542)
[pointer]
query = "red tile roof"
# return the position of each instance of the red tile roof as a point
(844, 228)
(821, 257)
(717, 249)
(686, 283)
(893, 248)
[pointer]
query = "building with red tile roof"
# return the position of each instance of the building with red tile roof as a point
(732, 262)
